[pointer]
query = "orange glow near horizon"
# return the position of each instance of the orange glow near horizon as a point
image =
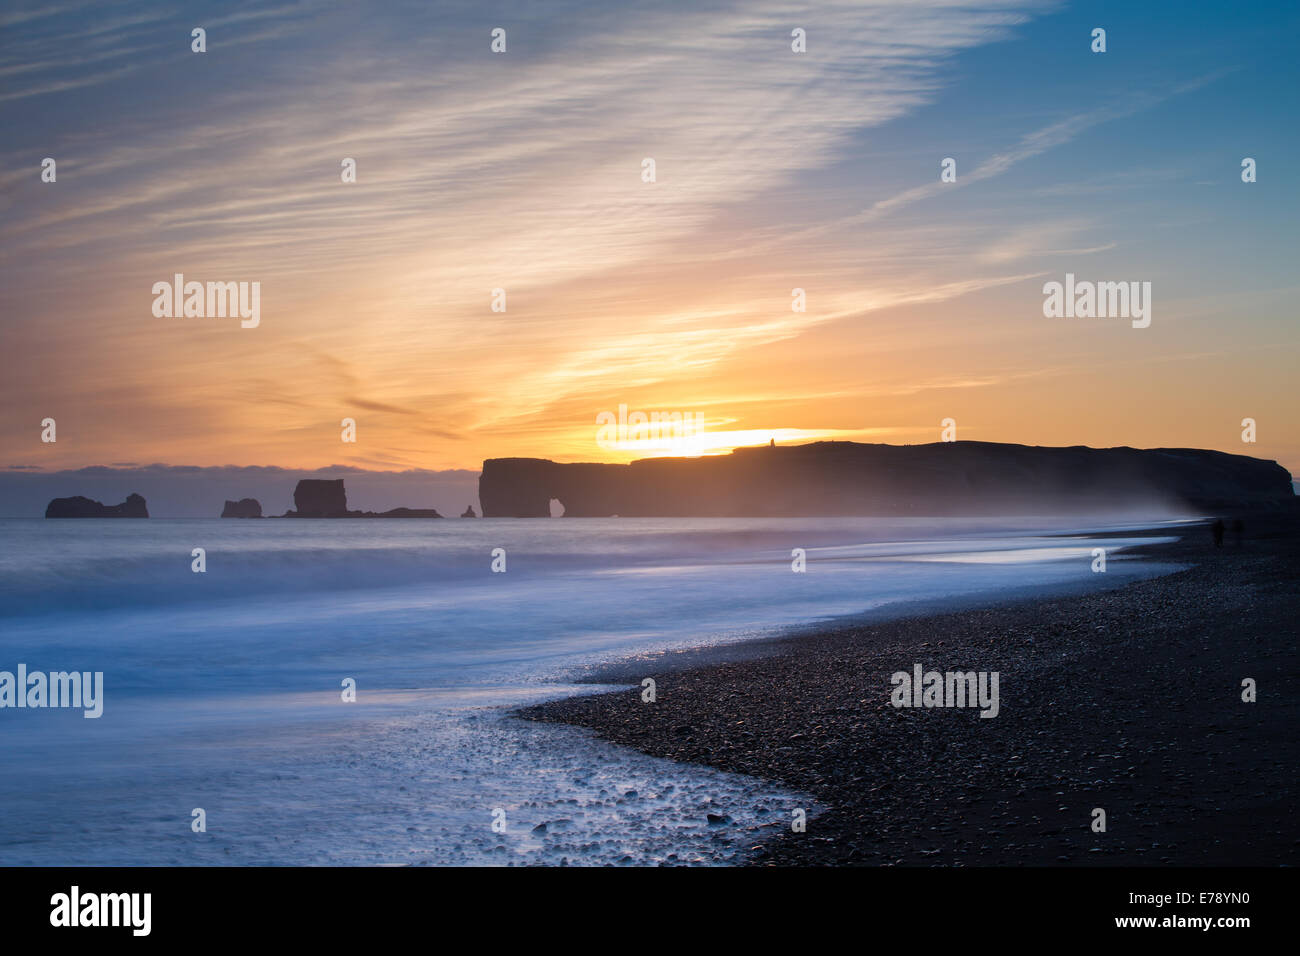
(792, 273)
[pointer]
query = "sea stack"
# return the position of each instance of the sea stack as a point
(319, 498)
(326, 498)
(243, 508)
(80, 507)
(469, 512)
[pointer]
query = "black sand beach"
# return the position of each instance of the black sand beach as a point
(1128, 699)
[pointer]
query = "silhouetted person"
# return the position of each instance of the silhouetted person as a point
(1238, 527)
(1217, 529)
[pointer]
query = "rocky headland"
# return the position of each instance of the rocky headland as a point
(848, 478)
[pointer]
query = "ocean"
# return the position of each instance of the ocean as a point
(223, 690)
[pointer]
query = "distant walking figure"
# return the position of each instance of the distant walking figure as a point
(1217, 528)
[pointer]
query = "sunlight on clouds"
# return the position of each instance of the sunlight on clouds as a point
(724, 441)
(522, 173)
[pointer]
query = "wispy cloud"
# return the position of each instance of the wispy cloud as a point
(478, 172)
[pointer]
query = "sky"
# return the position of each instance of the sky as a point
(524, 171)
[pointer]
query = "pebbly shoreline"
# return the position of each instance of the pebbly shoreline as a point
(1129, 700)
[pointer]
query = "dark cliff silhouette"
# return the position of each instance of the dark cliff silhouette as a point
(326, 498)
(243, 508)
(79, 507)
(848, 478)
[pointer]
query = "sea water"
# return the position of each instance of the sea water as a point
(224, 690)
